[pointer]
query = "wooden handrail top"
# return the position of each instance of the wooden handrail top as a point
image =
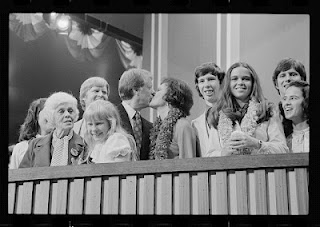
(163, 166)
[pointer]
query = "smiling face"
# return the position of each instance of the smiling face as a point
(284, 78)
(64, 116)
(209, 86)
(158, 100)
(292, 104)
(241, 83)
(96, 93)
(98, 129)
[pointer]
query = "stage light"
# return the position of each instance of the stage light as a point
(63, 24)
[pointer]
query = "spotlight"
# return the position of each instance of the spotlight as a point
(63, 24)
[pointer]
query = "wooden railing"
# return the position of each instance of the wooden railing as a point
(256, 184)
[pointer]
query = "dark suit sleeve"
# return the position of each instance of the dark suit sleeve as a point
(28, 158)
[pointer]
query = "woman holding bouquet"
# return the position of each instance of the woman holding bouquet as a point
(243, 121)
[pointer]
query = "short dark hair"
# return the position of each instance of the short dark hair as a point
(179, 94)
(205, 68)
(286, 64)
(304, 87)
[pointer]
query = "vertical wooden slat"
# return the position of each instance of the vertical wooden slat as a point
(232, 179)
(261, 191)
(292, 192)
(128, 195)
(182, 194)
(42, 192)
(242, 194)
(76, 192)
(93, 196)
(11, 197)
(62, 197)
(252, 192)
(54, 197)
(219, 192)
(24, 205)
(111, 195)
(281, 191)
(200, 193)
(146, 195)
(272, 204)
(302, 190)
(164, 194)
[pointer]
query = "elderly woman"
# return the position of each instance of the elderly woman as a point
(172, 135)
(62, 146)
(107, 140)
(92, 89)
(243, 121)
(34, 125)
(295, 102)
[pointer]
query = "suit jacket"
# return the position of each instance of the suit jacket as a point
(40, 150)
(200, 128)
(146, 126)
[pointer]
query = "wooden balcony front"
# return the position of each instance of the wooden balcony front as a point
(256, 184)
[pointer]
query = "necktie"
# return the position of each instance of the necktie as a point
(60, 150)
(137, 130)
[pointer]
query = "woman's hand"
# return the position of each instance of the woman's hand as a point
(243, 141)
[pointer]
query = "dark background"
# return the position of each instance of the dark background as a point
(43, 66)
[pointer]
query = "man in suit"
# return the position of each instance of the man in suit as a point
(135, 90)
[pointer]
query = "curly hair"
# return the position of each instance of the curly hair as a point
(286, 64)
(304, 87)
(179, 94)
(30, 127)
(205, 68)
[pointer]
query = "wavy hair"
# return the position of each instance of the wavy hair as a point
(30, 127)
(304, 87)
(227, 102)
(178, 95)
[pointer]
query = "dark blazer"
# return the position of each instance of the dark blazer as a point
(146, 126)
(40, 150)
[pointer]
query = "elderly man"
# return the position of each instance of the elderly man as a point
(92, 89)
(135, 90)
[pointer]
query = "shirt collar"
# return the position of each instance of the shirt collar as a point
(131, 112)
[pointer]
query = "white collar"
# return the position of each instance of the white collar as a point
(131, 112)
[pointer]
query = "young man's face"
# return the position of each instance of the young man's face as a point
(284, 78)
(209, 86)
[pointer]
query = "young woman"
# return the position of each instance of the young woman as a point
(35, 125)
(172, 135)
(243, 121)
(107, 140)
(295, 104)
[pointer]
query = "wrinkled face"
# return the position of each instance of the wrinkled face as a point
(64, 116)
(95, 93)
(209, 87)
(284, 78)
(158, 100)
(98, 129)
(241, 83)
(145, 94)
(292, 104)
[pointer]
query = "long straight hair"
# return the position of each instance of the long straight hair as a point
(226, 98)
